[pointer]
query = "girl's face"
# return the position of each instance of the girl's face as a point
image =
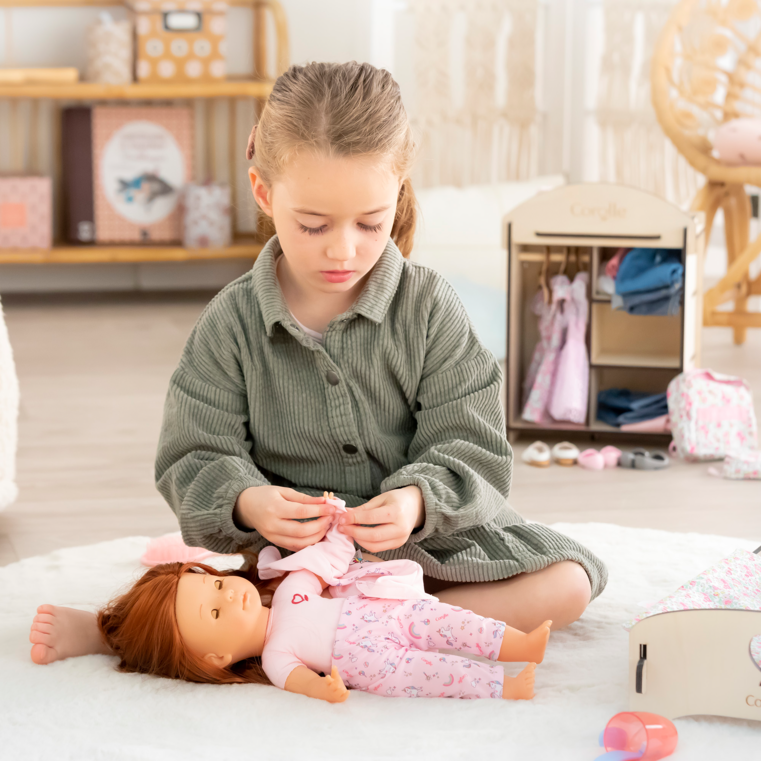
(217, 616)
(333, 218)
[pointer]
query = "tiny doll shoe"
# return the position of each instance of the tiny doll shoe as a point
(611, 456)
(538, 455)
(656, 460)
(565, 453)
(626, 459)
(591, 459)
(641, 459)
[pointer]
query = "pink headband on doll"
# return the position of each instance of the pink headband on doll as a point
(250, 149)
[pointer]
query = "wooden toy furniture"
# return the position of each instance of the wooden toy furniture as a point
(220, 153)
(706, 70)
(693, 662)
(586, 224)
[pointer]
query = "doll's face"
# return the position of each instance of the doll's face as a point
(218, 616)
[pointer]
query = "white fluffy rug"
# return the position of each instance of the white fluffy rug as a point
(83, 709)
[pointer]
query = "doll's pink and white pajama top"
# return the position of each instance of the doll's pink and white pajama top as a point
(388, 647)
(382, 645)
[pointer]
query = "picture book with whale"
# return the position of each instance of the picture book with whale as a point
(142, 159)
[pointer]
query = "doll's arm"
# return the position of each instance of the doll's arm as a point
(304, 681)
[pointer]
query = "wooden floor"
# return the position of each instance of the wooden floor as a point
(94, 370)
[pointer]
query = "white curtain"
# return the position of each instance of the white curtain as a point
(475, 113)
(632, 148)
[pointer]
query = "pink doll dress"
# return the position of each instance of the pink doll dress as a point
(535, 408)
(545, 314)
(570, 389)
(382, 645)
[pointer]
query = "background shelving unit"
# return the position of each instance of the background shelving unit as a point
(641, 353)
(228, 94)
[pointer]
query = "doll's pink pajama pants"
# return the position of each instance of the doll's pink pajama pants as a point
(389, 647)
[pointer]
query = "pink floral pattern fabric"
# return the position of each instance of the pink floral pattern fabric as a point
(734, 583)
(535, 408)
(545, 314)
(711, 415)
(742, 465)
(390, 647)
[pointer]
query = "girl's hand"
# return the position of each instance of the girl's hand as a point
(333, 688)
(389, 519)
(273, 512)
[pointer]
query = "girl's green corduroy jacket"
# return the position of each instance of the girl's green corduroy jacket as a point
(402, 392)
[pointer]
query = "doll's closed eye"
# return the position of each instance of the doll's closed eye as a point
(218, 585)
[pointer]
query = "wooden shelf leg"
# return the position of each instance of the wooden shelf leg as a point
(708, 200)
(736, 206)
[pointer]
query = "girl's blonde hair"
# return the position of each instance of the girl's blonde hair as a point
(339, 109)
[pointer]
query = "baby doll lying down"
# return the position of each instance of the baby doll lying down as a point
(376, 631)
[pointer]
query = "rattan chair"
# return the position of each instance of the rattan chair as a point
(706, 70)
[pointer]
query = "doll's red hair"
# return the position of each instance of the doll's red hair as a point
(140, 626)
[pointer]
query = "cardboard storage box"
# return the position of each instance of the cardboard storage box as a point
(26, 206)
(180, 41)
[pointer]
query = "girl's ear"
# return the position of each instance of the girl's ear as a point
(261, 191)
(220, 661)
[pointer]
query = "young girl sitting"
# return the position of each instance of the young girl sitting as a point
(336, 363)
(212, 627)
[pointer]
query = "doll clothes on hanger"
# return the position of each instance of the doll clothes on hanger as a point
(543, 311)
(570, 387)
(535, 408)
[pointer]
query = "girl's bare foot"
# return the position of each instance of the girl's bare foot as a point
(517, 646)
(59, 633)
(520, 687)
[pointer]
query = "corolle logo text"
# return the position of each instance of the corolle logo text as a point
(603, 213)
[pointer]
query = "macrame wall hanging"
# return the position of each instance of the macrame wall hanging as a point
(475, 114)
(633, 149)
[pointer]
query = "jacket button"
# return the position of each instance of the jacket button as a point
(333, 379)
(350, 449)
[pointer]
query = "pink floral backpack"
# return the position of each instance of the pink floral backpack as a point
(711, 415)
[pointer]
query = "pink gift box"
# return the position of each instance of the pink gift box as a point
(206, 220)
(26, 212)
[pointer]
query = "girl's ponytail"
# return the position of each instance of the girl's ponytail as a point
(403, 231)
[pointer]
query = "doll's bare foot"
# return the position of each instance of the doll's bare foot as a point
(520, 687)
(59, 633)
(517, 646)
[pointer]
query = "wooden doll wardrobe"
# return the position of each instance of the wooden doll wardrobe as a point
(581, 227)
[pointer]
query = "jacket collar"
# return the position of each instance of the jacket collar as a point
(373, 301)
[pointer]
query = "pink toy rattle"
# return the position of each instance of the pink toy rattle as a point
(638, 735)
